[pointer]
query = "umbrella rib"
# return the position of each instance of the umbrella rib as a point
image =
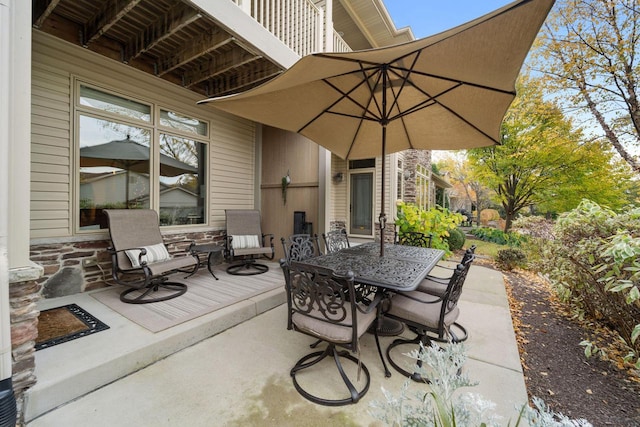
(343, 95)
(461, 82)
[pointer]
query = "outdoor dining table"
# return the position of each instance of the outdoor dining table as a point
(402, 268)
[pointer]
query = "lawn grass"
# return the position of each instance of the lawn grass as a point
(484, 248)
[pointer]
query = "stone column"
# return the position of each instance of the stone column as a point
(24, 292)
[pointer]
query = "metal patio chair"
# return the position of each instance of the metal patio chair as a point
(140, 259)
(335, 240)
(322, 305)
(245, 242)
(299, 247)
(430, 317)
(413, 238)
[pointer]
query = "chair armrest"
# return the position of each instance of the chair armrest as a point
(271, 236)
(143, 251)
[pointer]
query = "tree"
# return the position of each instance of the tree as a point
(542, 161)
(587, 52)
(461, 175)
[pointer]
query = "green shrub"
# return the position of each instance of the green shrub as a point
(593, 262)
(494, 235)
(438, 222)
(510, 258)
(456, 239)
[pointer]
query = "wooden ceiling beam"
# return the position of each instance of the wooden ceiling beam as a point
(41, 11)
(110, 13)
(206, 43)
(220, 64)
(243, 80)
(178, 17)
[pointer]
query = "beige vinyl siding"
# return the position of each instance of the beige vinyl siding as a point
(50, 152)
(55, 64)
(339, 191)
(232, 171)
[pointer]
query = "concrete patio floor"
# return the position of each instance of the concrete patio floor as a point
(231, 368)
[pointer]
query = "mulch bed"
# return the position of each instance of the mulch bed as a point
(604, 392)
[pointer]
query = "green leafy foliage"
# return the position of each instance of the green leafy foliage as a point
(436, 221)
(494, 235)
(510, 258)
(456, 239)
(591, 256)
(544, 161)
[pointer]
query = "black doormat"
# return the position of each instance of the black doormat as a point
(66, 323)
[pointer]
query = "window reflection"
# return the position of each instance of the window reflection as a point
(114, 169)
(119, 141)
(181, 181)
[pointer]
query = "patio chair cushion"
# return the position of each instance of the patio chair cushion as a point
(425, 313)
(155, 253)
(249, 241)
(340, 332)
(433, 287)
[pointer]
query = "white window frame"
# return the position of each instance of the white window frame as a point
(155, 129)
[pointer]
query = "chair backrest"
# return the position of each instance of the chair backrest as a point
(454, 287)
(132, 228)
(300, 247)
(335, 240)
(318, 300)
(243, 222)
(414, 238)
(469, 253)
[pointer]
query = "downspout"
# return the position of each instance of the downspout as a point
(8, 410)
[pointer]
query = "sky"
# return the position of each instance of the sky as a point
(427, 17)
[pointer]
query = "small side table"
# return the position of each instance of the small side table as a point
(211, 250)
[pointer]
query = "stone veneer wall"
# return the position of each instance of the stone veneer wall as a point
(413, 158)
(64, 273)
(24, 292)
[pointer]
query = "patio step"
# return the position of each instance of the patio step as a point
(71, 370)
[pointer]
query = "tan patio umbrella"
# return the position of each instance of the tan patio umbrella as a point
(444, 92)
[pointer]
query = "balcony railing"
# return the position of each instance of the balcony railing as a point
(339, 45)
(297, 23)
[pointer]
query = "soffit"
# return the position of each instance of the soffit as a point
(368, 24)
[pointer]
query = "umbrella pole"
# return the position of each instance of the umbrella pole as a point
(383, 217)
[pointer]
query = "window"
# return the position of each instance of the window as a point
(400, 181)
(422, 187)
(133, 158)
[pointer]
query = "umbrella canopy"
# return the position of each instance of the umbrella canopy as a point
(132, 156)
(444, 92)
